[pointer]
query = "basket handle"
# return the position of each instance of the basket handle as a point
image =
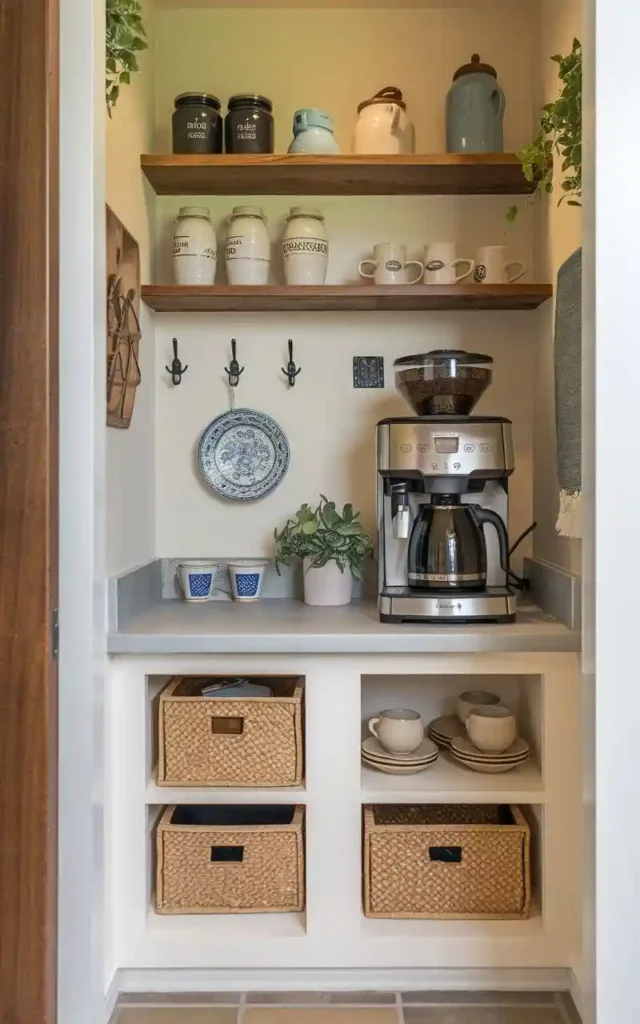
(227, 854)
(446, 854)
(225, 726)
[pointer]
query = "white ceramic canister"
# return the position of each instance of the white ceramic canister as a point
(247, 247)
(194, 247)
(305, 247)
(383, 125)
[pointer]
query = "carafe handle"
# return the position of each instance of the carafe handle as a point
(486, 515)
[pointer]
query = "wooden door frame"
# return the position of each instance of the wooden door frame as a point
(28, 508)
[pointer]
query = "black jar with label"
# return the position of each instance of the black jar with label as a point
(197, 123)
(248, 126)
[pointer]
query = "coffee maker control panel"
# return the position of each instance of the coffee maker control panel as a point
(436, 449)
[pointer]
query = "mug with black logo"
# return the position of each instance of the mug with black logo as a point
(492, 266)
(390, 265)
(440, 264)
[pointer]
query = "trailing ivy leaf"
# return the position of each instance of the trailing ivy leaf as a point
(125, 36)
(559, 131)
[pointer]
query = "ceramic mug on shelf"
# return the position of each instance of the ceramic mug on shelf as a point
(398, 730)
(246, 577)
(390, 265)
(470, 699)
(492, 266)
(197, 578)
(440, 262)
(492, 729)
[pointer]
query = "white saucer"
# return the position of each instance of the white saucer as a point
(463, 747)
(443, 730)
(374, 750)
(488, 769)
(391, 769)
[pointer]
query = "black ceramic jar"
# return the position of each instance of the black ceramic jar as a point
(197, 123)
(248, 126)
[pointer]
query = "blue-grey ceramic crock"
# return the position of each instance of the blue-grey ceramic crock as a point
(313, 132)
(474, 110)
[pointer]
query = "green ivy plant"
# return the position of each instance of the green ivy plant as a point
(559, 135)
(125, 38)
(323, 535)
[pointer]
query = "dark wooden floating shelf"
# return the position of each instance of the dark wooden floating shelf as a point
(343, 298)
(281, 174)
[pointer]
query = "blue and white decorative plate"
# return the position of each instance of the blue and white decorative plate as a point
(243, 454)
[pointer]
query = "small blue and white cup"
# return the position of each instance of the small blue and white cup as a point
(197, 579)
(246, 577)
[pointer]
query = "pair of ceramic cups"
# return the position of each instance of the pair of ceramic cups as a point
(197, 579)
(491, 727)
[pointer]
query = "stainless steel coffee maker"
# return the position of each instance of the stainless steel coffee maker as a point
(443, 500)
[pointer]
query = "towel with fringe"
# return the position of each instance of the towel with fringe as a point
(568, 385)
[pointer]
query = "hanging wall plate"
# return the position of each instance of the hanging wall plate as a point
(243, 455)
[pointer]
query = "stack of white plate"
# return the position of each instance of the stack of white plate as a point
(466, 753)
(374, 755)
(444, 730)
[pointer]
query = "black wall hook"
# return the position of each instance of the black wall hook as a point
(291, 372)
(234, 370)
(177, 370)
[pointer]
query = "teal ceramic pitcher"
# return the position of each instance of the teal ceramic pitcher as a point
(474, 110)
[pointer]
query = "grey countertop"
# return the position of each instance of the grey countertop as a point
(277, 626)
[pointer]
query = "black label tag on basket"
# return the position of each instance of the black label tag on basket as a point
(446, 854)
(227, 854)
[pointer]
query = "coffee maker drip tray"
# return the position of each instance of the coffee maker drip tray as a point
(402, 604)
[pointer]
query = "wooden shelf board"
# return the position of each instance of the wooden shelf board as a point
(344, 298)
(282, 174)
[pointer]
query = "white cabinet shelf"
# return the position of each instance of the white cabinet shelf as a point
(448, 782)
(155, 795)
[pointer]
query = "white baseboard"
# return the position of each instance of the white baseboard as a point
(111, 996)
(152, 980)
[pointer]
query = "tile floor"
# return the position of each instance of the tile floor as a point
(348, 1008)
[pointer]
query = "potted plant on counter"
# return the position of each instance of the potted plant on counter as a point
(332, 546)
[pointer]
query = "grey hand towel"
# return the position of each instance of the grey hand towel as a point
(568, 384)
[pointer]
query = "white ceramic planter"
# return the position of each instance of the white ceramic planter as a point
(247, 247)
(194, 247)
(327, 585)
(305, 248)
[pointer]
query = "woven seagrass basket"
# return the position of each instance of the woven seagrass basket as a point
(250, 742)
(446, 861)
(230, 859)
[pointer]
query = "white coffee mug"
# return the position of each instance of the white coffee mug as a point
(399, 730)
(440, 264)
(390, 265)
(492, 729)
(492, 266)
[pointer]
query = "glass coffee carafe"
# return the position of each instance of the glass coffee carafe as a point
(447, 548)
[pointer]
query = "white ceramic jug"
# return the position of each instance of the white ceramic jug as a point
(194, 247)
(305, 249)
(383, 126)
(247, 247)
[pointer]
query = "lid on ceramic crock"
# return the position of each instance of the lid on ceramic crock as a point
(304, 211)
(195, 211)
(248, 211)
(312, 118)
(443, 355)
(205, 98)
(475, 67)
(249, 99)
(390, 94)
